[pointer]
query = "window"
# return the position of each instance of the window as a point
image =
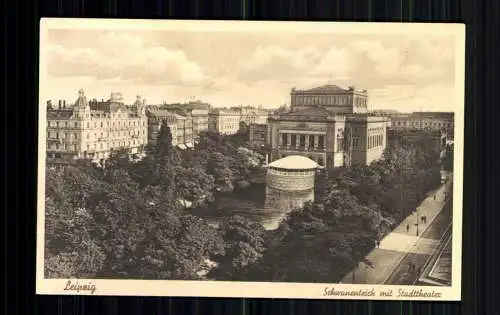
(355, 143)
(311, 141)
(302, 141)
(321, 141)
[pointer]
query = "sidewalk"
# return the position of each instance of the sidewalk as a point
(397, 243)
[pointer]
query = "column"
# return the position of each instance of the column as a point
(307, 141)
(297, 141)
(316, 141)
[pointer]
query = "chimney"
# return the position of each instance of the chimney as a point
(59, 107)
(64, 103)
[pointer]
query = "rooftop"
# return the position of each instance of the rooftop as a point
(160, 114)
(294, 162)
(316, 113)
(327, 88)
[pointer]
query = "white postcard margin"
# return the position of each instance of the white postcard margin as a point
(258, 289)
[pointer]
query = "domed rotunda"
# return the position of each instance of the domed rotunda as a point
(291, 173)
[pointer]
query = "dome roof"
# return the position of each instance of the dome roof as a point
(295, 162)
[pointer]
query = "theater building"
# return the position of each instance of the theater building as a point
(332, 98)
(330, 126)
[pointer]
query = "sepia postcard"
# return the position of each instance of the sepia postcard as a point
(309, 160)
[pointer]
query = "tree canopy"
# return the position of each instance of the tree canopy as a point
(129, 220)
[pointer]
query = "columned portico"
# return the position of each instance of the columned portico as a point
(303, 140)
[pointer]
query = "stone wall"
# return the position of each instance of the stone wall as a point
(290, 182)
(286, 200)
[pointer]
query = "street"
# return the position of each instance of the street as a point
(422, 251)
(386, 259)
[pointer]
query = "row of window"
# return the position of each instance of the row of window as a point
(418, 123)
(230, 127)
(302, 140)
(360, 102)
(95, 146)
(322, 100)
(70, 135)
(378, 129)
(76, 124)
(375, 141)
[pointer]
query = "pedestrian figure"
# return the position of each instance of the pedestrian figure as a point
(422, 219)
(434, 197)
(407, 228)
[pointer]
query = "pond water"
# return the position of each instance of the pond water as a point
(257, 203)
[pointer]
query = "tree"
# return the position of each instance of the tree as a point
(164, 141)
(71, 249)
(71, 185)
(118, 159)
(178, 247)
(219, 166)
(194, 185)
(244, 245)
(244, 160)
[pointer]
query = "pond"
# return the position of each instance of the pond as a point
(265, 206)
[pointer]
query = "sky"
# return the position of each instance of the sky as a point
(400, 71)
